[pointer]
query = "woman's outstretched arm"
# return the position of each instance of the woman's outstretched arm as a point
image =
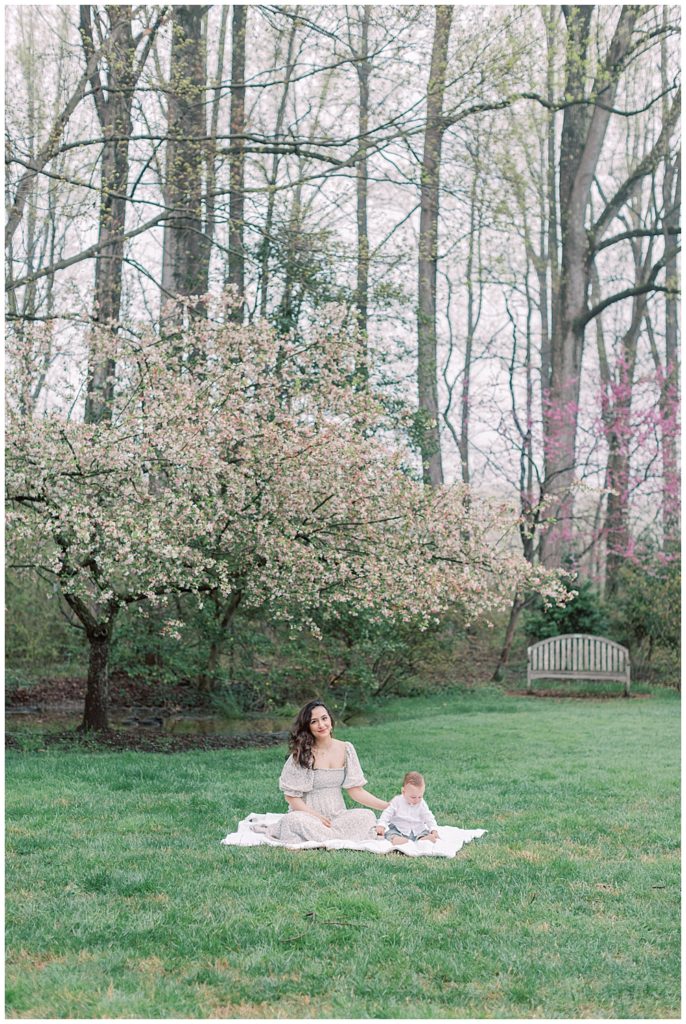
(360, 795)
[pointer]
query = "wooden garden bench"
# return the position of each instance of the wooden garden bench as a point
(578, 656)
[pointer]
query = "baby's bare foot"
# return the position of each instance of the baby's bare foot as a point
(399, 840)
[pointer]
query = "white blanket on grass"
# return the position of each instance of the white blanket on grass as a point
(449, 841)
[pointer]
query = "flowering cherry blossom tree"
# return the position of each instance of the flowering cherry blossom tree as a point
(255, 469)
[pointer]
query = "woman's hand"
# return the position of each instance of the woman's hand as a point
(296, 803)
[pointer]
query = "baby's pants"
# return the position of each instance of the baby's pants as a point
(413, 836)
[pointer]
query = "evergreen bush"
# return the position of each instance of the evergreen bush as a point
(585, 613)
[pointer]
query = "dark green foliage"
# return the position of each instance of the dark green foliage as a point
(304, 271)
(648, 606)
(585, 613)
(269, 665)
(646, 615)
(38, 632)
(251, 664)
(141, 648)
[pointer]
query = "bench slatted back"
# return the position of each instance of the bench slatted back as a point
(578, 655)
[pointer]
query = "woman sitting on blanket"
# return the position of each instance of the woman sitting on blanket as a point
(313, 779)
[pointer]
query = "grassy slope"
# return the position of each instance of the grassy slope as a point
(122, 902)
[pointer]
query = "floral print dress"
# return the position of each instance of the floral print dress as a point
(322, 790)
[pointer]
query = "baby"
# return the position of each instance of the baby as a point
(407, 817)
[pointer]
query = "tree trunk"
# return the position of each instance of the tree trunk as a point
(236, 269)
(617, 533)
(185, 253)
(288, 311)
(616, 416)
(211, 153)
(208, 679)
(528, 501)
(669, 392)
(617, 512)
(473, 313)
(364, 69)
(266, 246)
(96, 708)
(427, 383)
(224, 613)
(504, 656)
(114, 115)
(583, 133)
(549, 285)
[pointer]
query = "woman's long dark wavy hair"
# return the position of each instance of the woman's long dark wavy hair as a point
(301, 740)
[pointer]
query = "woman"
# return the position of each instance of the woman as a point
(313, 778)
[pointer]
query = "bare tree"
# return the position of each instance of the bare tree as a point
(52, 145)
(363, 68)
(470, 285)
(266, 243)
(39, 239)
(112, 84)
(583, 133)
(236, 264)
(211, 150)
(669, 373)
(427, 383)
(618, 388)
(585, 123)
(669, 392)
(185, 258)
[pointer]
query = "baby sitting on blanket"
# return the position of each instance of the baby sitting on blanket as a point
(407, 817)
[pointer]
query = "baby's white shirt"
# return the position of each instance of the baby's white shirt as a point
(407, 817)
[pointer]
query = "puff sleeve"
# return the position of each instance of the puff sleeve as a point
(295, 780)
(353, 771)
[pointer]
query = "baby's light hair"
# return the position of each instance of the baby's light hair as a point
(413, 779)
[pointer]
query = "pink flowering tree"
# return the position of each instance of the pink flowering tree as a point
(250, 466)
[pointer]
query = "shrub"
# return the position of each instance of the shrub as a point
(142, 647)
(585, 613)
(355, 659)
(646, 615)
(39, 637)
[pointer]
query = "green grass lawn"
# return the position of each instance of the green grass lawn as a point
(121, 902)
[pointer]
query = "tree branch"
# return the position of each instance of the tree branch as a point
(638, 233)
(628, 293)
(90, 251)
(86, 33)
(50, 148)
(647, 165)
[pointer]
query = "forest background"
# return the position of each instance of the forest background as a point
(449, 233)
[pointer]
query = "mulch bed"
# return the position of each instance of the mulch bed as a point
(124, 692)
(576, 696)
